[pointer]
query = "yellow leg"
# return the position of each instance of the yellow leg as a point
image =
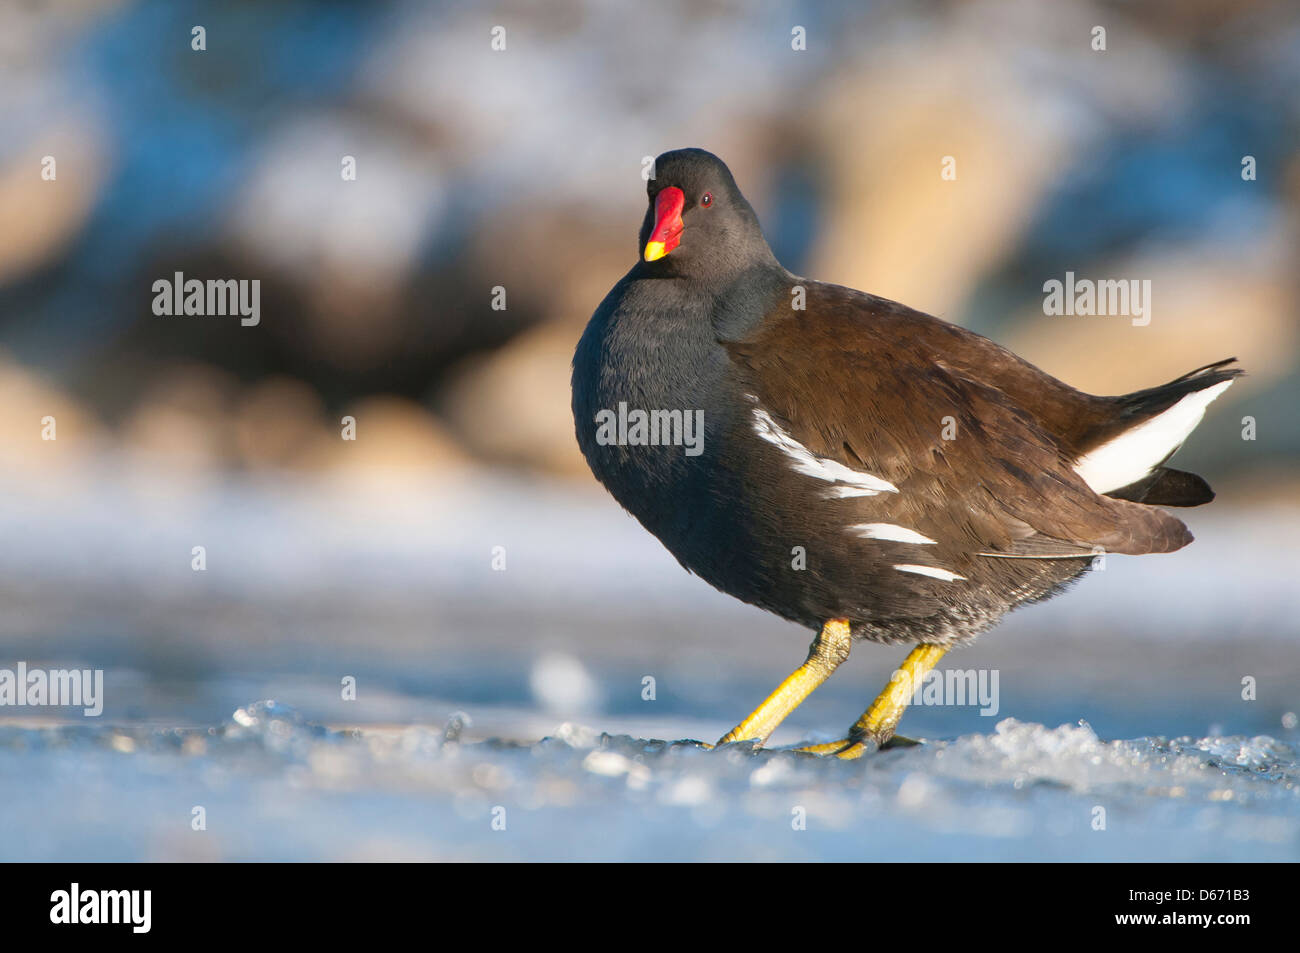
(877, 724)
(828, 650)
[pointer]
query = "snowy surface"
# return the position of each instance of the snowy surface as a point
(275, 787)
(312, 582)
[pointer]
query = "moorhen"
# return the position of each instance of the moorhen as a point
(852, 465)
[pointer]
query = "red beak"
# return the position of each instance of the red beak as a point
(667, 232)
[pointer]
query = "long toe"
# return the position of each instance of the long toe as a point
(843, 748)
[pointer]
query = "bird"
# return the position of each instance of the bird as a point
(860, 468)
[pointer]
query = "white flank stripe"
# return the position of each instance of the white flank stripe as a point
(849, 482)
(1134, 453)
(899, 534)
(1038, 556)
(943, 574)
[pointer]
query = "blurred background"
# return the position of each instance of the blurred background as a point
(521, 168)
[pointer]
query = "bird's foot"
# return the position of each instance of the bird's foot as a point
(852, 748)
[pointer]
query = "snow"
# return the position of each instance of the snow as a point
(274, 786)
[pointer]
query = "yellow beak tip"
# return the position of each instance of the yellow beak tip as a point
(654, 251)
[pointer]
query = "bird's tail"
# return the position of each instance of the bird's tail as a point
(1127, 462)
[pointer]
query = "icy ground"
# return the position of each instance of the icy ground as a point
(393, 587)
(273, 786)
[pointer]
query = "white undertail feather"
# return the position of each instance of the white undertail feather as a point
(1136, 452)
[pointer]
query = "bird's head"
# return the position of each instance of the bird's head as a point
(698, 222)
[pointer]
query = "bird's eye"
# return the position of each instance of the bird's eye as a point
(706, 199)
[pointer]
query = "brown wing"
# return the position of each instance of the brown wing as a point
(892, 383)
